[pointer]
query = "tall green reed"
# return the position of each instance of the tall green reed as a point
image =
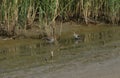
(24, 12)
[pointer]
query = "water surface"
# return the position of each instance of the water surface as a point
(27, 53)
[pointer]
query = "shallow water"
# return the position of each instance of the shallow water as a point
(21, 54)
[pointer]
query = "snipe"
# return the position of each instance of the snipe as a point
(76, 36)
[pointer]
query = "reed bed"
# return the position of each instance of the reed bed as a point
(24, 13)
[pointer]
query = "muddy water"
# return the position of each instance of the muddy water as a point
(38, 53)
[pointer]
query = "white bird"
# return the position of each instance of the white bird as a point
(76, 36)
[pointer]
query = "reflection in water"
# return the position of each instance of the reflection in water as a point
(103, 36)
(40, 54)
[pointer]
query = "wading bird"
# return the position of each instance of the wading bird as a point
(50, 40)
(76, 36)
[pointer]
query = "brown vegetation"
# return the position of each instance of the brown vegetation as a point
(23, 14)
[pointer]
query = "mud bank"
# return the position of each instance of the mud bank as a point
(105, 65)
